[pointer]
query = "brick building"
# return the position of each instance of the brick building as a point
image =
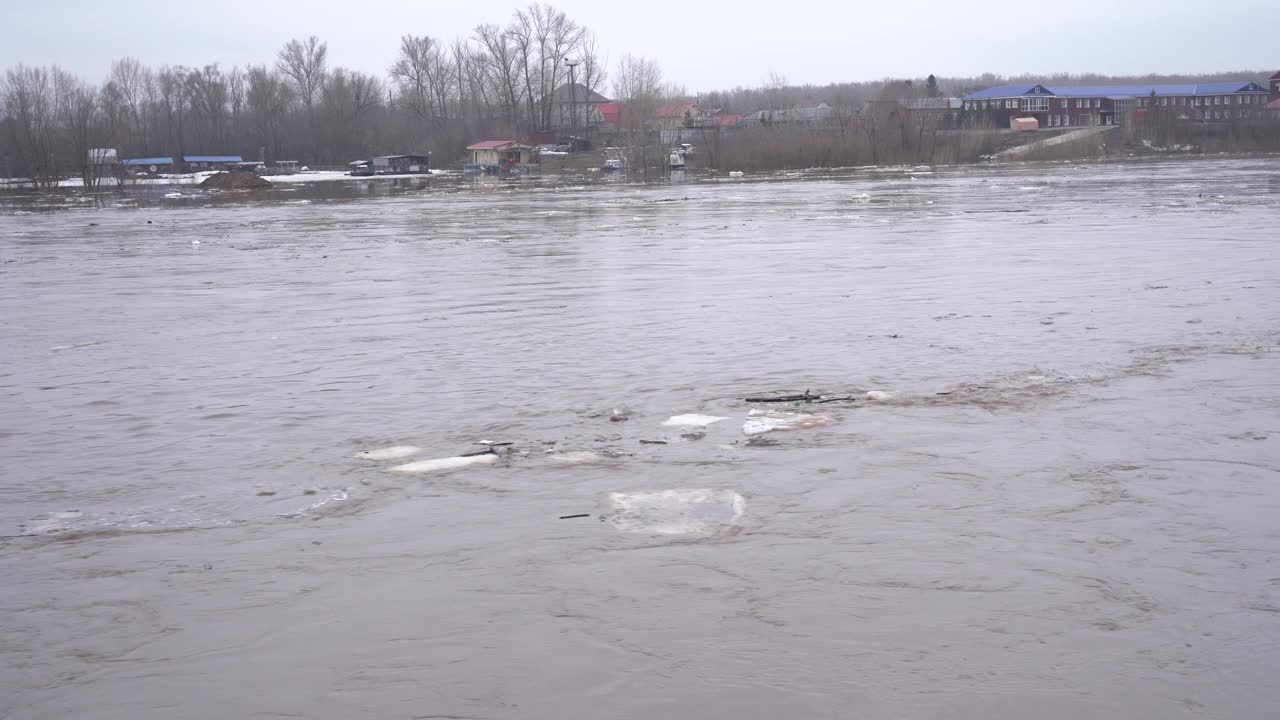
(1077, 105)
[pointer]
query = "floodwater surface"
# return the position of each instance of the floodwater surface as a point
(1046, 485)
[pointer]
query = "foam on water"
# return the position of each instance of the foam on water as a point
(389, 453)
(686, 512)
(577, 457)
(692, 420)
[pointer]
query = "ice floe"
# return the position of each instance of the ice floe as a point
(444, 464)
(760, 422)
(686, 512)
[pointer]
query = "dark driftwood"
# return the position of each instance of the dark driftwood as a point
(806, 397)
(570, 517)
(653, 442)
(486, 451)
(841, 399)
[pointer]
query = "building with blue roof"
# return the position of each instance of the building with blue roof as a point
(1073, 105)
(190, 163)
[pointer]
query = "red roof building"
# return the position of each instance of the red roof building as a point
(675, 110)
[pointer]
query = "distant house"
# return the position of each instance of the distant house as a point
(495, 157)
(616, 116)
(400, 164)
(675, 121)
(148, 164)
(1274, 82)
(935, 112)
(210, 162)
(725, 121)
(576, 106)
(817, 115)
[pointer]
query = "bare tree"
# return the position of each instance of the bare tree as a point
(236, 98)
(172, 88)
(129, 79)
(348, 96)
(637, 84)
(423, 77)
(207, 90)
(28, 98)
(595, 70)
(502, 67)
(267, 98)
(305, 63)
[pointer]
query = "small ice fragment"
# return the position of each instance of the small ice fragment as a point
(696, 512)
(879, 395)
(195, 242)
(692, 420)
(577, 457)
(444, 464)
(760, 422)
(173, 195)
(735, 173)
(389, 453)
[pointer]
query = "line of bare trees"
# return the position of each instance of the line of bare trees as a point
(436, 97)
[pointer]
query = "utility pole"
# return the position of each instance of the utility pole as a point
(573, 101)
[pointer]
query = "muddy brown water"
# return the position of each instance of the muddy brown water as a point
(1066, 507)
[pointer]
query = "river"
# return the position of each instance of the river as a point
(1059, 500)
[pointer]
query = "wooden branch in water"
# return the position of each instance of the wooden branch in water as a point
(806, 397)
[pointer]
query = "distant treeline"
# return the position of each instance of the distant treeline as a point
(436, 97)
(778, 94)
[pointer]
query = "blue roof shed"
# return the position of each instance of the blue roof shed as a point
(148, 161)
(211, 158)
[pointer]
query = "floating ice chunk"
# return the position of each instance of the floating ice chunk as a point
(692, 420)
(445, 464)
(760, 422)
(735, 173)
(697, 512)
(879, 395)
(173, 195)
(577, 457)
(389, 453)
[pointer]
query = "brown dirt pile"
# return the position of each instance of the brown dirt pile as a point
(235, 180)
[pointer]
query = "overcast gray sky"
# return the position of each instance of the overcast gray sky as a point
(702, 44)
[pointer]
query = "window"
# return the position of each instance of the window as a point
(1066, 119)
(1164, 102)
(1097, 103)
(1035, 104)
